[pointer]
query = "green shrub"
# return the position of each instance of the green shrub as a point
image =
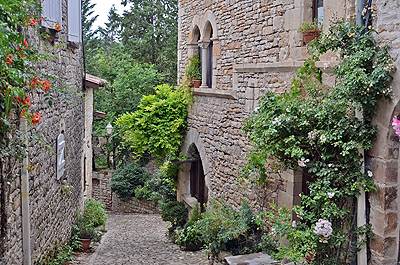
(94, 212)
(195, 214)
(189, 235)
(125, 180)
(224, 228)
(174, 212)
(159, 189)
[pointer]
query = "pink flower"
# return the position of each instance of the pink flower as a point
(396, 125)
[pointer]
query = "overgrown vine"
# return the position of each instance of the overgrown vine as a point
(314, 129)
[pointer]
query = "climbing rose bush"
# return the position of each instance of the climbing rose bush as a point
(313, 129)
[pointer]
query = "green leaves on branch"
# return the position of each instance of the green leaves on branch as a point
(157, 127)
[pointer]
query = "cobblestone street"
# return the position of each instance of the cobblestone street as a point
(138, 239)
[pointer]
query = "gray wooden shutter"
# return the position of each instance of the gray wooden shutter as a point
(74, 20)
(52, 13)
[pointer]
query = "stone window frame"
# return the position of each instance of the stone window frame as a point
(204, 31)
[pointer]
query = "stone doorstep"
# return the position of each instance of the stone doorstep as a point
(253, 259)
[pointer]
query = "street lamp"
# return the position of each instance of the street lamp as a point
(109, 131)
(109, 128)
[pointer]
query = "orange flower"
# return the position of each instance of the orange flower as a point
(57, 26)
(46, 85)
(41, 19)
(36, 118)
(25, 42)
(19, 49)
(33, 21)
(35, 80)
(9, 60)
(24, 114)
(28, 102)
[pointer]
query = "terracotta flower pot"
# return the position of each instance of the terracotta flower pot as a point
(310, 35)
(85, 244)
(196, 83)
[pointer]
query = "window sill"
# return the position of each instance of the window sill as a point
(72, 45)
(211, 92)
(189, 200)
(49, 34)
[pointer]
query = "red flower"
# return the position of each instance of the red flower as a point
(28, 102)
(23, 113)
(36, 118)
(46, 85)
(19, 49)
(41, 19)
(25, 42)
(35, 80)
(33, 21)
(9, 60)
(57, 26)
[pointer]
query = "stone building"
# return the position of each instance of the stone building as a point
(51, 210)
(248, 47)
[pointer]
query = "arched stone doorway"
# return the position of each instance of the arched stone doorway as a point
(197, 185)
(193, 180)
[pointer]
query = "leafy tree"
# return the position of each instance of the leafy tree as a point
(149, 34)
(158, 125)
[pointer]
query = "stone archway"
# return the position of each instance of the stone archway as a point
(196, 168)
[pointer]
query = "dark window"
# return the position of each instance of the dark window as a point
(209, 64)
(318, 10)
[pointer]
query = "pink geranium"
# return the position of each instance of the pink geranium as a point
(396, 125)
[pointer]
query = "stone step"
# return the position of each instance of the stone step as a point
(254, 259)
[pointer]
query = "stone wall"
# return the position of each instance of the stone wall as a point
(52, 212)
(256, 48)
(384, 155)
(102, 192)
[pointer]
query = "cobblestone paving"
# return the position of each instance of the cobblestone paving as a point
(138, 239)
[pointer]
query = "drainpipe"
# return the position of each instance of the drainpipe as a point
(362, 258)
(26, 233)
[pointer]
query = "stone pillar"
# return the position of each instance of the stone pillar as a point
(192, 49)
(204, 45)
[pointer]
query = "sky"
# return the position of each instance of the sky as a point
(102, 7)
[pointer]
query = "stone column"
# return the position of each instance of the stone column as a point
(192, 49)
(204, 45)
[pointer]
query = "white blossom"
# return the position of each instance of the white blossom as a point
(331, 194)
(324, 228)
(311, 135)
(302, 162)
(276, 121)
(370, 174)
(322, 138)
(294, 225)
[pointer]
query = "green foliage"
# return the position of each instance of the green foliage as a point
(158, 125)
(94, 212)
(312, 26)
(125, 180)
(174, 212)
(193, 70)
(159, 189)
(149, 31)
(313, 129)
(62, 256)
(189, 235)
(224, 228)
(195, 214)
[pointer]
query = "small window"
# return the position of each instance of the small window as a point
(318, 10)
(52, 13)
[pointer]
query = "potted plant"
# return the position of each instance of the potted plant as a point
(311, 30)
(193, 70)
(86, 232)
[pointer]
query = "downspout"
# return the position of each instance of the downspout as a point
(362, 257)
(26, 233)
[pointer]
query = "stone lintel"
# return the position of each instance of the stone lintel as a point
(210, 92)
(267, 67)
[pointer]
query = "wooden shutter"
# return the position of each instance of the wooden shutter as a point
(52, 13)
(74, 20)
